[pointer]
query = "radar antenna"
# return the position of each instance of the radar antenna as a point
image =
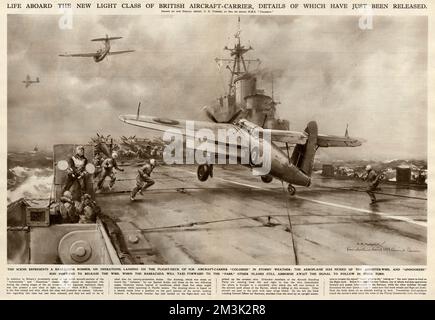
(237, 61)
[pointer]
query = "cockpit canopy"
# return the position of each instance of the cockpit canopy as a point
(247, 125)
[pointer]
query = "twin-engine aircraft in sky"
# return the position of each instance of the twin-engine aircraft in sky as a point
(101, 53)
(28, 81)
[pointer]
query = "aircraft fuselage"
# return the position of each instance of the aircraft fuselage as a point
(282, 169)
(103, 53)
(29, 82)
(281, 166)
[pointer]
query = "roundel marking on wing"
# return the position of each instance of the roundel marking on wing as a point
(166, 121)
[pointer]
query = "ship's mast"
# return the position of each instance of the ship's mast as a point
(238, 61)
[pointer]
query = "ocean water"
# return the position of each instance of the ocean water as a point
(30, 175)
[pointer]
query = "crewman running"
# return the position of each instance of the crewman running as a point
(107, 171)
(373, 181)
(143, 179)
(98, 161)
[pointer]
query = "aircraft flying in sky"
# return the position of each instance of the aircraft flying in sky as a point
(28, 82)
(295, 168)
(101, 53)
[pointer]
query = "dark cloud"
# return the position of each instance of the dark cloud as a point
(324, 68)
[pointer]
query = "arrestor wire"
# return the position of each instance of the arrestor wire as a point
(295, 251)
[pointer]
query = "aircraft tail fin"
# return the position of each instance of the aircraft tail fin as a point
(102, 147)
(303, 154)
(37, 79)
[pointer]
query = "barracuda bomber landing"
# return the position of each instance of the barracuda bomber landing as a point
(295, 169)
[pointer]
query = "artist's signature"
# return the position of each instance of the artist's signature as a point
(378, 246)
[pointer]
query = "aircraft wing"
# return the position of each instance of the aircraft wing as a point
(289, 137)
(164, 124)
(93, 54)
(119, 52)
(325, 141)
(179, 127)
(286, 136)
(107, 38)
(27, 84)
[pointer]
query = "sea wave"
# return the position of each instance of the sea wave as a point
(30, 159)
(24, 172)
(29, 183)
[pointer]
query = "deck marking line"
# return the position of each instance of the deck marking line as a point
(385, 215)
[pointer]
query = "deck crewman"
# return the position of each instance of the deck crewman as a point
(143, 179)
(65, 210)
(77, 170)
(98, 161)
(107, 171)
(373, 180)
(88, 209)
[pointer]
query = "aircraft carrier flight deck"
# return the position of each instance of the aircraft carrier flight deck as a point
(234, 218)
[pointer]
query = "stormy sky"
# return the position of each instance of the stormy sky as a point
(325, 69)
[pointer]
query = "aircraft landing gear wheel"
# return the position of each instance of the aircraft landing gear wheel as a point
(203, 172)
(291, 190)
(266, 179)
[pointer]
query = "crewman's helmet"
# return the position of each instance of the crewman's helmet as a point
(368, 167)
(88, 212)
(67, 194)
(114, 155)
(80, 150)
(153, 162)
(86, 196)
